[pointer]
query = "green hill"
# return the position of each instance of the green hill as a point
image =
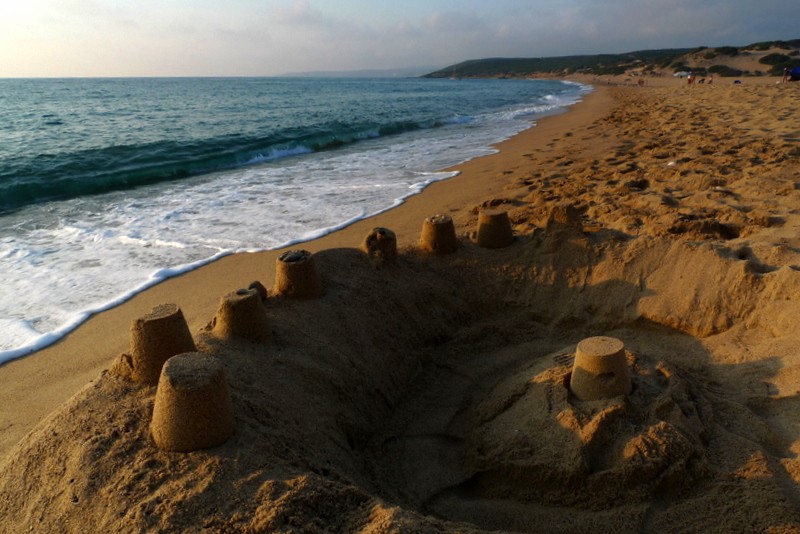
(778, 54)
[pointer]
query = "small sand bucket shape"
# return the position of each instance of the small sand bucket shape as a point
(563, 214)
(380, 245)
(494, 229)
(155, 338)
(193, 408)
(439, 235)
(241, 314)
(601, 369)
(296, 276)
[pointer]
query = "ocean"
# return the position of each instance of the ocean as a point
(109, 186)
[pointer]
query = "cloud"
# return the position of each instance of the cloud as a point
(620, 25)
(316, 39)
(246, 37)
(298, 13)
(94, 14)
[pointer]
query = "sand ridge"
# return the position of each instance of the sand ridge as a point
(430, 394)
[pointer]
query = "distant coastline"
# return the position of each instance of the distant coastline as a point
(403, 72)
(766, 58)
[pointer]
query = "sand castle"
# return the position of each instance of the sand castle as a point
(296, 276)
(380, 245)
(532, 441)
(600, 370)
(260, 289)
(494, 229)
(563, 214)
(241, 314)
(193, 408)
(438, 235)
(465, 413)
(155, 338)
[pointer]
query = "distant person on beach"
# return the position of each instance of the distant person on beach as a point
(785, 75)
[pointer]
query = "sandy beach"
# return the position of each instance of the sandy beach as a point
(432, 393)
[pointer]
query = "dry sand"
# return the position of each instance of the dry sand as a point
(431, 394)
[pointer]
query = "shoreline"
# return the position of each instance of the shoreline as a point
(60, 373)
(132, 236)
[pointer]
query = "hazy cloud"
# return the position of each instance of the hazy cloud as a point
(267, 37)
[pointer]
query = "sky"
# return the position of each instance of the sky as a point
(59, 38)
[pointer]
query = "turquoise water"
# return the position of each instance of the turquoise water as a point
(108, 186)
(73, 137)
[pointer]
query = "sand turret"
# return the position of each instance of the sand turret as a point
(601, 369)
(494, 229)
(296, 276)
(193, 408)
(438, 235)
(155, 338)
(380, 245)
(260, 289)
(241, 314)
(563, 214)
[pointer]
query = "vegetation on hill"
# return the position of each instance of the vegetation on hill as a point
(779, 62)
(701, 60)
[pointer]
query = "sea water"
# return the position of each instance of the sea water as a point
(109, 186)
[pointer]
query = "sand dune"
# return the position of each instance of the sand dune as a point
(431, 393)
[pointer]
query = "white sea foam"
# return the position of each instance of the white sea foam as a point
(65, 261)
(276, 154)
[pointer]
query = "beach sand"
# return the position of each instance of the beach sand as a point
(431, 393)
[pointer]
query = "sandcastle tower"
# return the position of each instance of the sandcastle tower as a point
(563, 214)
(155, 338)
(380, 245)
(438, 235)
(241, 314)
(494, 229)
(296, 276)
(193, 408)
(601, 369)
(260, 289)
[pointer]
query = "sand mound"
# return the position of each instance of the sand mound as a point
(432, 394)
(533, 441)
(426, 398)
